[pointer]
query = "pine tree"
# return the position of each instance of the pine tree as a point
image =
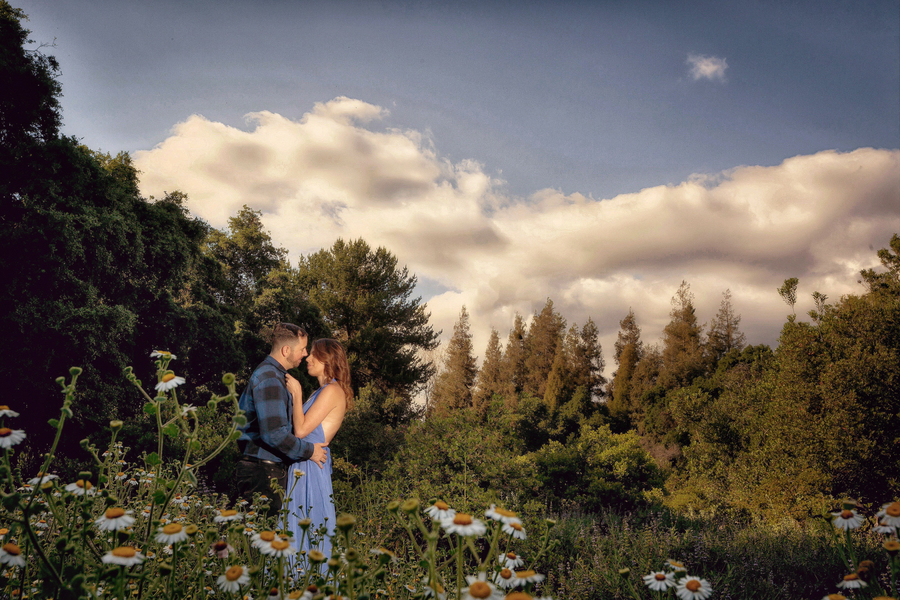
(513, 364)
(724, 333)
(544, 337)
(629, 349)
(453, 389)
(630, 333)
(561, 379)
(490, 381)
(588, 361)
(682, 342)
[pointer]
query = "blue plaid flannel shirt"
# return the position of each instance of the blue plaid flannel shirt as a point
(269, 434)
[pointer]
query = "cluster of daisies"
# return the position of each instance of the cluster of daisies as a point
(509, 580)
(687, 587)
(886, 523)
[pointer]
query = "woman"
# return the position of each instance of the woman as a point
(317, 420)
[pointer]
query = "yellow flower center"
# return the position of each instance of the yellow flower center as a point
(676, 564)
(4, 407)
(462, 519)
(480, 589)
(228, 513)
(12, 549)
(5, 432)
(660, 577)
(124, 552)
(234, 573)
(172, 528)
(120, 474)
(168, 377)
(516, 526)
(506, 574)
(316, 556)
(83, 484)
(504, 513)
(518, 596)
(851, 577)
(846, 514)
(280, 545)
(692, 585)
(114, 513)
(892, 546)
(267, 536)
(220, 545)
(441, 505)
(893, 510)
(525, 574)
(4, 531)
(511, 555)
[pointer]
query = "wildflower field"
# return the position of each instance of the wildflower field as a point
(136, 526)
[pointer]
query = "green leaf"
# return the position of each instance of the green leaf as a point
(54, 423)
(171, 430)
(153, 459)
(235, 435)
(159, 496)
(195, 446)
(150, 408)
(67, 411)
(239, 420)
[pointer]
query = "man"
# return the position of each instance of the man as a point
(268, 440)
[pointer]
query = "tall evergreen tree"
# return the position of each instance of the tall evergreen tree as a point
(629, 350)
(489, 381)
(513, 364)
(724, 331)
(682, 341)
(587, 360)
(455, 383)
(544, 337)
(561, 380)
(629, 333)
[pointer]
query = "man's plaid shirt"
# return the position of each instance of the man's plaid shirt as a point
(268, 434)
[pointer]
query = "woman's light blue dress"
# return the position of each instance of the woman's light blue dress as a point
(311, 496)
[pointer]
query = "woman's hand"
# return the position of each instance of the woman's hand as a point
(294, 387)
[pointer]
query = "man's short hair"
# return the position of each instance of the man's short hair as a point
(285, 334)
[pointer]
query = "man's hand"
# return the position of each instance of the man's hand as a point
(320, 454)
(294, 387)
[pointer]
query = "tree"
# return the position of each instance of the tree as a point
(788, 292)
(513, 365)
(366, 301)
(587, 360)
(490, 380)
(682, 341)
(629, 333)
(629, 349)
(544, 337)
(724, 331)
(453, 389)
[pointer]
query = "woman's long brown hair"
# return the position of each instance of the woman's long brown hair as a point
(331, 354)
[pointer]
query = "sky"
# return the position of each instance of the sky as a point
(595, 153)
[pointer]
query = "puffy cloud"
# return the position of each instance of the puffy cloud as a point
(706, 67)
(332, 174)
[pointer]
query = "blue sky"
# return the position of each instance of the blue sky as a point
(529, 111)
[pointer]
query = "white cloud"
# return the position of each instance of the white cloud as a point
(706, 67)
(333, 174)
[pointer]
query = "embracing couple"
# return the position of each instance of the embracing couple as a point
(282, 430)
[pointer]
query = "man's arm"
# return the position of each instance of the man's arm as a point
(271, 399)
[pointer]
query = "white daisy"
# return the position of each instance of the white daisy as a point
(121, 476)
(505, 578)
(6, 412)
(10, 437)
(676, 566)
(514, 529)
(125, 556)
(171, 534)
(520, 578)
(162, 354)
(11, 554)
(433, 590)
(890, 514)
(384, 552)
(226, 515)
(480, 588)
(41, 524)
(188, 409)
(278, 548)
(464, 525)
(81, 488)
(883, 529)
(115, 519)
(693, 588)
(847, 519)
(510, 560)
(440, 510)
(169, 382)
(502, 515)
(659, 581)
(233, 579)
(42, 478)
(852, 582)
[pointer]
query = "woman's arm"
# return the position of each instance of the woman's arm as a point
(331, 397)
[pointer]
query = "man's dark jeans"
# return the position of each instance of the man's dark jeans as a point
(255, 477)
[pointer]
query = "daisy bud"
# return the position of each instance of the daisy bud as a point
(75, 371)
(393, 506)
(334, 564)
(115, 425)
(191, 530)
(345, 522)
(410, 506)
(228, 378)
